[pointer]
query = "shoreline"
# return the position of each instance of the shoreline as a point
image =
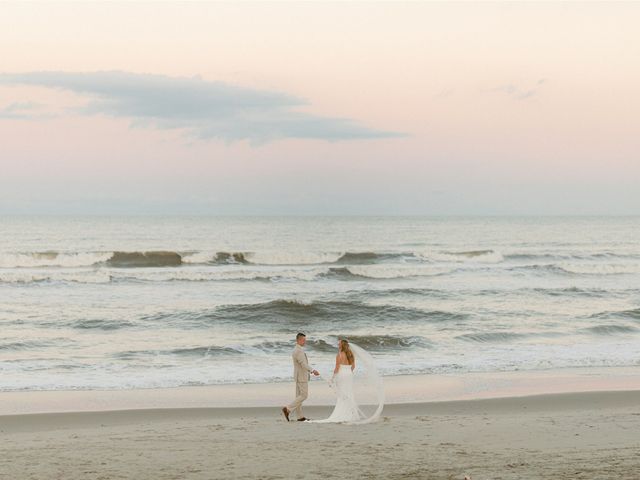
(530, 404)
(399, 390)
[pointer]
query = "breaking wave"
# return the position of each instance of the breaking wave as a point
(144, 259)
(580, 268)
(388, 271)
(600, 269)
(388, 342)
(52, 259)
(292, 313)
(202, 351)
(169, 258)
(480, 256)
(611, 329)
(202, 274)
(491, 337)
(375, 343)
(94, 324)
(633, 314)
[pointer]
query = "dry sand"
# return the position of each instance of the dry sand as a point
(591, 435)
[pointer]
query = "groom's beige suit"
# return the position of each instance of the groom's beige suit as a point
(301, 374)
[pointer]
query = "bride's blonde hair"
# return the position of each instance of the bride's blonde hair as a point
(344, 347)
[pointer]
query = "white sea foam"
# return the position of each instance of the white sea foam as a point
(396, 271)
(52, 259)
(154, 371)
(600, 268)
(198, 257)
(291, 257)
(74, 276)
(218, 274)
(470, 256)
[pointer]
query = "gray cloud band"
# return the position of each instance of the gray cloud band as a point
(205, 109)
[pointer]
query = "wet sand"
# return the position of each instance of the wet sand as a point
(588, 435)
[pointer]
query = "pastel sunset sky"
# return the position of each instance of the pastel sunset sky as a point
(320, 108)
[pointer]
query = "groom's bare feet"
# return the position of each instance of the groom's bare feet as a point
(285, 412)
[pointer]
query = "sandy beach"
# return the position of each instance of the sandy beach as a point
(588, 435)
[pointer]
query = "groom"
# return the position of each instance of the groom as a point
(301, 373)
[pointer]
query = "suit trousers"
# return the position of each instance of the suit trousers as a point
(302, 392)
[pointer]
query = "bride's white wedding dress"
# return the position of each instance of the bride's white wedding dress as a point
(347, 409)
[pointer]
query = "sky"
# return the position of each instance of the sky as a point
(320, 108)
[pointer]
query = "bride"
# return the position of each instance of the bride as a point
(347, 409)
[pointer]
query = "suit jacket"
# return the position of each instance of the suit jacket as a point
(301, 368)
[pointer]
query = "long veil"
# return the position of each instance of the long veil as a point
(371, 380)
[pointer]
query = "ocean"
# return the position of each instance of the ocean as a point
(143, 302)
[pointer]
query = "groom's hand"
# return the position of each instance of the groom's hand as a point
(316, 373)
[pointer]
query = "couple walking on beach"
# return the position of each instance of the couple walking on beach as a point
(346, 409)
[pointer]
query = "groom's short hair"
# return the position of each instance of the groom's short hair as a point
(300, 335)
